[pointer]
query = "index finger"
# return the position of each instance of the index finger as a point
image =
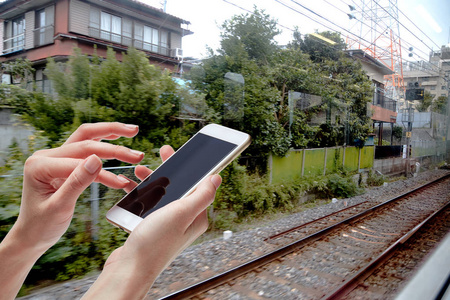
(99, 131)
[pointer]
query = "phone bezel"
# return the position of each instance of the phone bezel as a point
(128, 221)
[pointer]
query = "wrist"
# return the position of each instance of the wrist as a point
(29, 241)
(16, 260)
(122, 279)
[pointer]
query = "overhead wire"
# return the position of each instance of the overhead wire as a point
(326, 26)
(244, 9)
(404, 44)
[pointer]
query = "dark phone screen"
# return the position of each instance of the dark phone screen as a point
(177, 175)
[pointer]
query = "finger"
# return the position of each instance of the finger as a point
(83, 175)
(165, 152)
(105, 130)
(198, 227)
(199, 200)
(55, 171)
(142, 172)
(86, 148)
(130, 186)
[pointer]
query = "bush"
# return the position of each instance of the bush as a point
(341, 187)
(375, 179)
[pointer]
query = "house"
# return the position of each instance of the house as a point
(38, 29)
(382, 109)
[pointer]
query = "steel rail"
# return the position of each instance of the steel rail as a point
(351, 283)
(262, 260)
(313, 221)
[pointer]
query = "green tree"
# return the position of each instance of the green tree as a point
(440, 105)
(318, 49)
(241, 53)
(425, 104)
(250, 34)
(89, 89)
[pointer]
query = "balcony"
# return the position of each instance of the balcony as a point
(384, 102)
(13, 44)
(43, 35)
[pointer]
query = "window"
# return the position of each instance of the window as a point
(111, 27)
(106, 26)
(164, 43)
(43, 34)
(14, 35)
(149, 39)
(43, 84)
(94, 22)
(443, 87)
(433, 87)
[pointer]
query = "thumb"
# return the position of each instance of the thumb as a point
(81, 177)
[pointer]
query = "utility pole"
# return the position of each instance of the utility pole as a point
(94, 210)
(408, 118)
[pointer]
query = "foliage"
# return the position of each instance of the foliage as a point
(240, 54)
(20, 69)
(440, 105)
(397, 132)
(250, 35)
(425, 104)
(375, 179)
(340, 187)
(319, 50)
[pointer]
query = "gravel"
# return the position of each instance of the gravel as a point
(214, 256)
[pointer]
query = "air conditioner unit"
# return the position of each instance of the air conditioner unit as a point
(179, 53)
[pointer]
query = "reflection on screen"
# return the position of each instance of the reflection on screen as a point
(177, 175)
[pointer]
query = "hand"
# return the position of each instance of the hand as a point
(155, 242)
(53, 181)
(55, 178)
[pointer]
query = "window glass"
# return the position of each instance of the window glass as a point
(14, 35)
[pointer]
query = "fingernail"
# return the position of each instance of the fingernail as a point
(123, 179)
(130, 126)
(135, 152)
(92, 164)
(216, 180)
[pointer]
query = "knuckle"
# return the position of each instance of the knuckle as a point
(31, 161)
(84, 126)
(76, 183)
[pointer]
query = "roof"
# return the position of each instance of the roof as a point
(11, 8)
(364, 57)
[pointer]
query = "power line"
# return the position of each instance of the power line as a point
(403, 41)
(418, 28)
(403, 25)
(328, 27)
(244, 9)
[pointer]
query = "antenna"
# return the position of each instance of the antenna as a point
(163, 3)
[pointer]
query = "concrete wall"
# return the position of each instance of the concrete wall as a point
(320, 161)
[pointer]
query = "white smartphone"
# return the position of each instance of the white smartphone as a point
(208, 152)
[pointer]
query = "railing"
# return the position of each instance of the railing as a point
(128, 41)
(14, 43)
(44, 35)
(384, 102)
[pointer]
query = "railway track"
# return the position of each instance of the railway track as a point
(329, 257)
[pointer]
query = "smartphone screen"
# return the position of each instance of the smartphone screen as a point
(177, 175)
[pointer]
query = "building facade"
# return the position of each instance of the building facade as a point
(38, 29)
(433, 76)
(382, 110)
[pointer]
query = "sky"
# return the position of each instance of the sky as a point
(424, 24)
